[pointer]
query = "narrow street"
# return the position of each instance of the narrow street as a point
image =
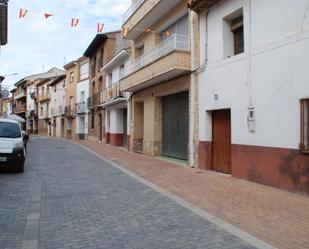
(69, 198)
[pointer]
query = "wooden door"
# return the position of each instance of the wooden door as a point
(100, 127)
(175, 125)
(221, 141)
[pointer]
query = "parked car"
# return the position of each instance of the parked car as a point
(12, 150)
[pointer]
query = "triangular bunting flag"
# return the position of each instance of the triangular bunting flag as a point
(100, 27)
(46, 15)
(74, 22)
(167, 33)
(124, 32)
(22, 13)
(148, 30)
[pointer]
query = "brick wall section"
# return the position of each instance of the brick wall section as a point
(152, 124)
(109, 47)
(173, 61)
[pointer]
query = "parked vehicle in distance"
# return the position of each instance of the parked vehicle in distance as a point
(12, 150)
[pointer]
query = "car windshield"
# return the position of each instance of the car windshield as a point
(9, 130)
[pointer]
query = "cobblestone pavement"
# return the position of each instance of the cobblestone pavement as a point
(69, 198)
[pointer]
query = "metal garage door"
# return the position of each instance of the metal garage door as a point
(176, 125)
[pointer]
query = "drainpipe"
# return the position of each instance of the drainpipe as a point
(193, 78)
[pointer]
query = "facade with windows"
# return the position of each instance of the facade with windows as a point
(82, 94)
(158, 76)
(115, 102)
(253, 90)
(57, 105)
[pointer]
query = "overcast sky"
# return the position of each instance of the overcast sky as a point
(35, 44)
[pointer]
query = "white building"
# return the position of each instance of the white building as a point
(116, 102)
(253, 75)
(57, 103)
(82, 94)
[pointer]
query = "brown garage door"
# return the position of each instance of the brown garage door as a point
(221, 141)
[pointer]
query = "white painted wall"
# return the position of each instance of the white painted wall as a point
(82, 120)
(271, 75)
(116, 121)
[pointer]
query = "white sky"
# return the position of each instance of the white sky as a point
(35, 43)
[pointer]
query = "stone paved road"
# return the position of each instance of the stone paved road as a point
(69, 198)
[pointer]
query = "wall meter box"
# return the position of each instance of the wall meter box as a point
(251, 119)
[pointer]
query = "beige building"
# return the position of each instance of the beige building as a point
(159, 76)
(73, 76)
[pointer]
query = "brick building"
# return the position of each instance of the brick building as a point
(159, 76)
(101, 50)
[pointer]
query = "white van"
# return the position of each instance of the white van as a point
(12, 151)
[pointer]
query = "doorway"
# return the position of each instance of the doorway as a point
(175, 125)
(125, 128)
(221, 141)
(100, 127)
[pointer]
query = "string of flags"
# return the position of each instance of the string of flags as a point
(74, 22)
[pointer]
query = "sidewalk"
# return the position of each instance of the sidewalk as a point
(275, 216)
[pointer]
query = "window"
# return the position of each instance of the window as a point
(233, 34)
(238, 32)
(304, 125)
(82, 97)
(71, 77)
(41, 111)
(55, 89)
(84, 71)
(180, 27)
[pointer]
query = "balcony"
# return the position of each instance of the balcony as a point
(94, 100)
(43, 97)
(112, 95)
(54, 112)
(61, 110)
(69, 111)
(20, 109)
(81, 108)
(44, 115)
(199, 5)
(169, 59)
(32, 113)
(144, 13)
(19, 95)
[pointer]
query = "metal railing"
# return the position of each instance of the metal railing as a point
(81, 107)
(44, 96)
(94, 100)
(110, 93)
(131, 10)
(61, 110)
(20, 108)
(20, 94)
(172, 43)
(69, 110)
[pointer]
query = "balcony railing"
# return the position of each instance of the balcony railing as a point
(69, 111)
(131, 10)
(20, 94)
(20, 108)
(110, 93)
(81, 107)
(172, 43)
(94, 100)
(44, 115)
(44, 96)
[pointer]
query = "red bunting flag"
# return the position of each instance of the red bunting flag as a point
(74, 22)
(124, 32)
(46, 15)
(22, 13)
(167, 33)
(148, 30)
(100, 27)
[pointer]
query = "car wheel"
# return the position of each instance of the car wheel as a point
(20, 168)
